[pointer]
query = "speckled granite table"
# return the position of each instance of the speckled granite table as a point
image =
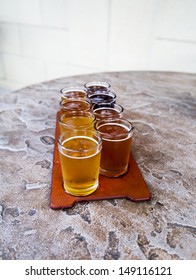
(163, 109)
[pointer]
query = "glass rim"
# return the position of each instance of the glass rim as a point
(96, 133)
(114, 120)
(63, 102)
(101, 92)
(97, 83)
(76, 113)
(108, 108)
(72, 89)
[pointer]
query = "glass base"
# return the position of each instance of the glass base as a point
(113, 173)
(82, 191)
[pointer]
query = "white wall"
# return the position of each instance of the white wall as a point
(45, 39)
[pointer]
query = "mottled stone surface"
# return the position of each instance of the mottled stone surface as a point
(162, 107)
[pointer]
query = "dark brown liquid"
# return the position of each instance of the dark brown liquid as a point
(97, 88)
(115, 153)
(101, 98)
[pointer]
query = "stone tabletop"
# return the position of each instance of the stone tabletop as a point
(162, 107)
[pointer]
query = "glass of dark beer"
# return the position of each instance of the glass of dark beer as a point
(102, 97)
(97, 86)
(116, 145)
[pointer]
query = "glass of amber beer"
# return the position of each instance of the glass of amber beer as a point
(75, 105)
(77, 120)
(116, 145)
(73, 93)
(79, 152)
(105, 110)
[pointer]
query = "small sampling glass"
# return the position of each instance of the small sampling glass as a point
(75, 105)
(116, 145)
(102, 97)
(105, 110)
(79, 152)
(97, 86)
(73, 93)
(76, 120)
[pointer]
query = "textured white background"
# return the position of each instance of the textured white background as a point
(46, 39)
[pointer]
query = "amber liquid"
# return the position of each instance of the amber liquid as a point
(76, 122)
(115, 150)
(76, 105)
(74, 95)
(102, 113)
(80, 168)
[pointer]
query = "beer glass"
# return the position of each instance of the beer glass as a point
(102, 97)
(75, 105)
(76, 120)
(97, 86)
(116, 144)
(104, 110)
(73, 93)
(79, 152)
